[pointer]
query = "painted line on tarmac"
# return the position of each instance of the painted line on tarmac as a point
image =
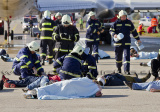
(14, 27)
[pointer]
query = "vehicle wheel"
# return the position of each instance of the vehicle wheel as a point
(12, 34)
(5, 35)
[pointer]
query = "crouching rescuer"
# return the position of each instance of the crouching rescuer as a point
(26, 65)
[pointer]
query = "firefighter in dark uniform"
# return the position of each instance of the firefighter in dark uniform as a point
(46, 27)
(65, 35)
(124, 26)
(58, 17)
(92, 35)
(71, 65)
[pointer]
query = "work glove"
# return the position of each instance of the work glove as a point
(65, 35)
(57, 38)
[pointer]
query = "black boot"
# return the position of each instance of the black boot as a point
(50, 61)
(146, 77)
(118, 70)
(127, 72)
(43, 61)
(129, 84)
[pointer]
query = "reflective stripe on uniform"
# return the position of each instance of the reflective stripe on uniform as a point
(118, 61)
(89, 26)
(58, 62)
(92, 67)
(76, 36)
(127, 43)
(62, 50)
(133, 30)
(136, 36)
(118, 24)
(20, 57)
(96, 24)
(69, 73)
(37, 62)
(24, 66)
(49, 56)
(112, 29)
(128, 25)
(29, 62)
(39, 68)
(69, 56)
(46, 24)
(85, 63)
(45, 37)
(47, 29)
(95, 53)
(97, 39)
(89, 39)
(127, 62)
(42, 54)
(94, 31)
(89, 73)
(116, 44)
(54, 69)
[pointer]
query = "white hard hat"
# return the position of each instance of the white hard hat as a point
(47, 14)
(58, 14)
(80, 50)
(91, 13)
(121, 13)
(66, 19)
(33, 46)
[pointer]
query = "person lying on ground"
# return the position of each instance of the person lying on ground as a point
(153, 86)
(67, 89)
(116, 79)
(134, 54)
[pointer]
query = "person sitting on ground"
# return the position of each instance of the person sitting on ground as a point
(70, 66)
(134, 54)
(26, 65)
(153, 86)
(140, 29)
(116, 79)
(67, 89)
(4, 56)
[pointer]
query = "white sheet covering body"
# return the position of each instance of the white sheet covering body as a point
(68, 89)
(145, 55)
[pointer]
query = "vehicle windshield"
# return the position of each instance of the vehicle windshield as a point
(26, 20)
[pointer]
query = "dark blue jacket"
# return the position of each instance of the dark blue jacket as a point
(69, 66)
(27, 59)
(126, 27)
(93, 26)
(89, 66)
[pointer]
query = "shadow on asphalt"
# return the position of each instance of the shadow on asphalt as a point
(112, 96)
(114, 87)
(6, 90)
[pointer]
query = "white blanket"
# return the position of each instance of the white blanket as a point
(68, 89)
(145, 55)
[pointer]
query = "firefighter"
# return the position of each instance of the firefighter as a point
(92, 35)
(71, 65)
(124, 27)
(58, 16)
(154, 23)
(65, 35)
(26, 65)
(46, 27)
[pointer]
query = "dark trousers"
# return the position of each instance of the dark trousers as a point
(24, 82)
(81, 26)
(154, 29)
(155, 66)
(44, 43)
(119, 55)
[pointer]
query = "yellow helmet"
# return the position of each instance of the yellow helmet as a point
(91, 13)
(47, 14)
(66, 20)
(121, 13)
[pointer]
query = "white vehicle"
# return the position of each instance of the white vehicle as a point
(145, 21)
(25, 24)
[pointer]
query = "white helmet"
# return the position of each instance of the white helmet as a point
(33, 46)
(58, 14)
(121, 13)
(66, 20)
(47, 14)
(91, 13)
(79, 50)
(102, 79)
